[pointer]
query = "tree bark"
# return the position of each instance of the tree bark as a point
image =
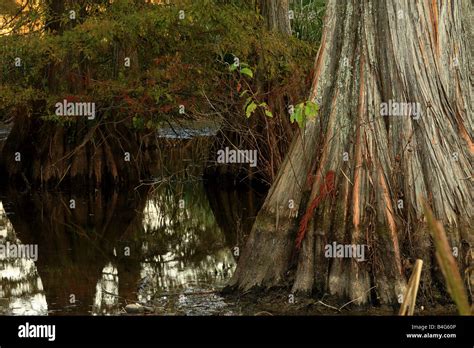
(276, 14)
(54, 10)
(373, 52)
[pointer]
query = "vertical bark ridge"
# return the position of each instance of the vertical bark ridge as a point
(374, 53)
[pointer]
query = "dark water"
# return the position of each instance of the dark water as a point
(169, 245)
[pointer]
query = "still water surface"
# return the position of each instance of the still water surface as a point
(168, 244)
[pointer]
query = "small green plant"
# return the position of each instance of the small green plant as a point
(244, 68)
(303, 112)
(138, 122)
(251, 103)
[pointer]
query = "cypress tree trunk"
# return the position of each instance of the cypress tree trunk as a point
(276, 14)
(375, 169)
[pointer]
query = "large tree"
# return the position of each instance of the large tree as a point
(358, 176)
(276, 14)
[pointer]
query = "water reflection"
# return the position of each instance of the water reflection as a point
(106, 299)
(182, 246)
(148, 247)
(21, 288)
(169, 245)
(75, 245)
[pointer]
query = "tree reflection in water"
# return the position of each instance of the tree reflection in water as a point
(182, 244)
(74, 245)
(106, 299)
(159, 245)
(21, 288)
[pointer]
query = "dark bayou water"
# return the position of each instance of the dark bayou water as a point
(169, 244)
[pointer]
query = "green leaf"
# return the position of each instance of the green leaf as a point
(233, 67)
(268, 113)
(292, 118)
(250, 109)
(247, 101)
(246, 71)
(300, 106)
(300, 118)
(298, 115)
(138, 122)
(311, 109)
(303, 111)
